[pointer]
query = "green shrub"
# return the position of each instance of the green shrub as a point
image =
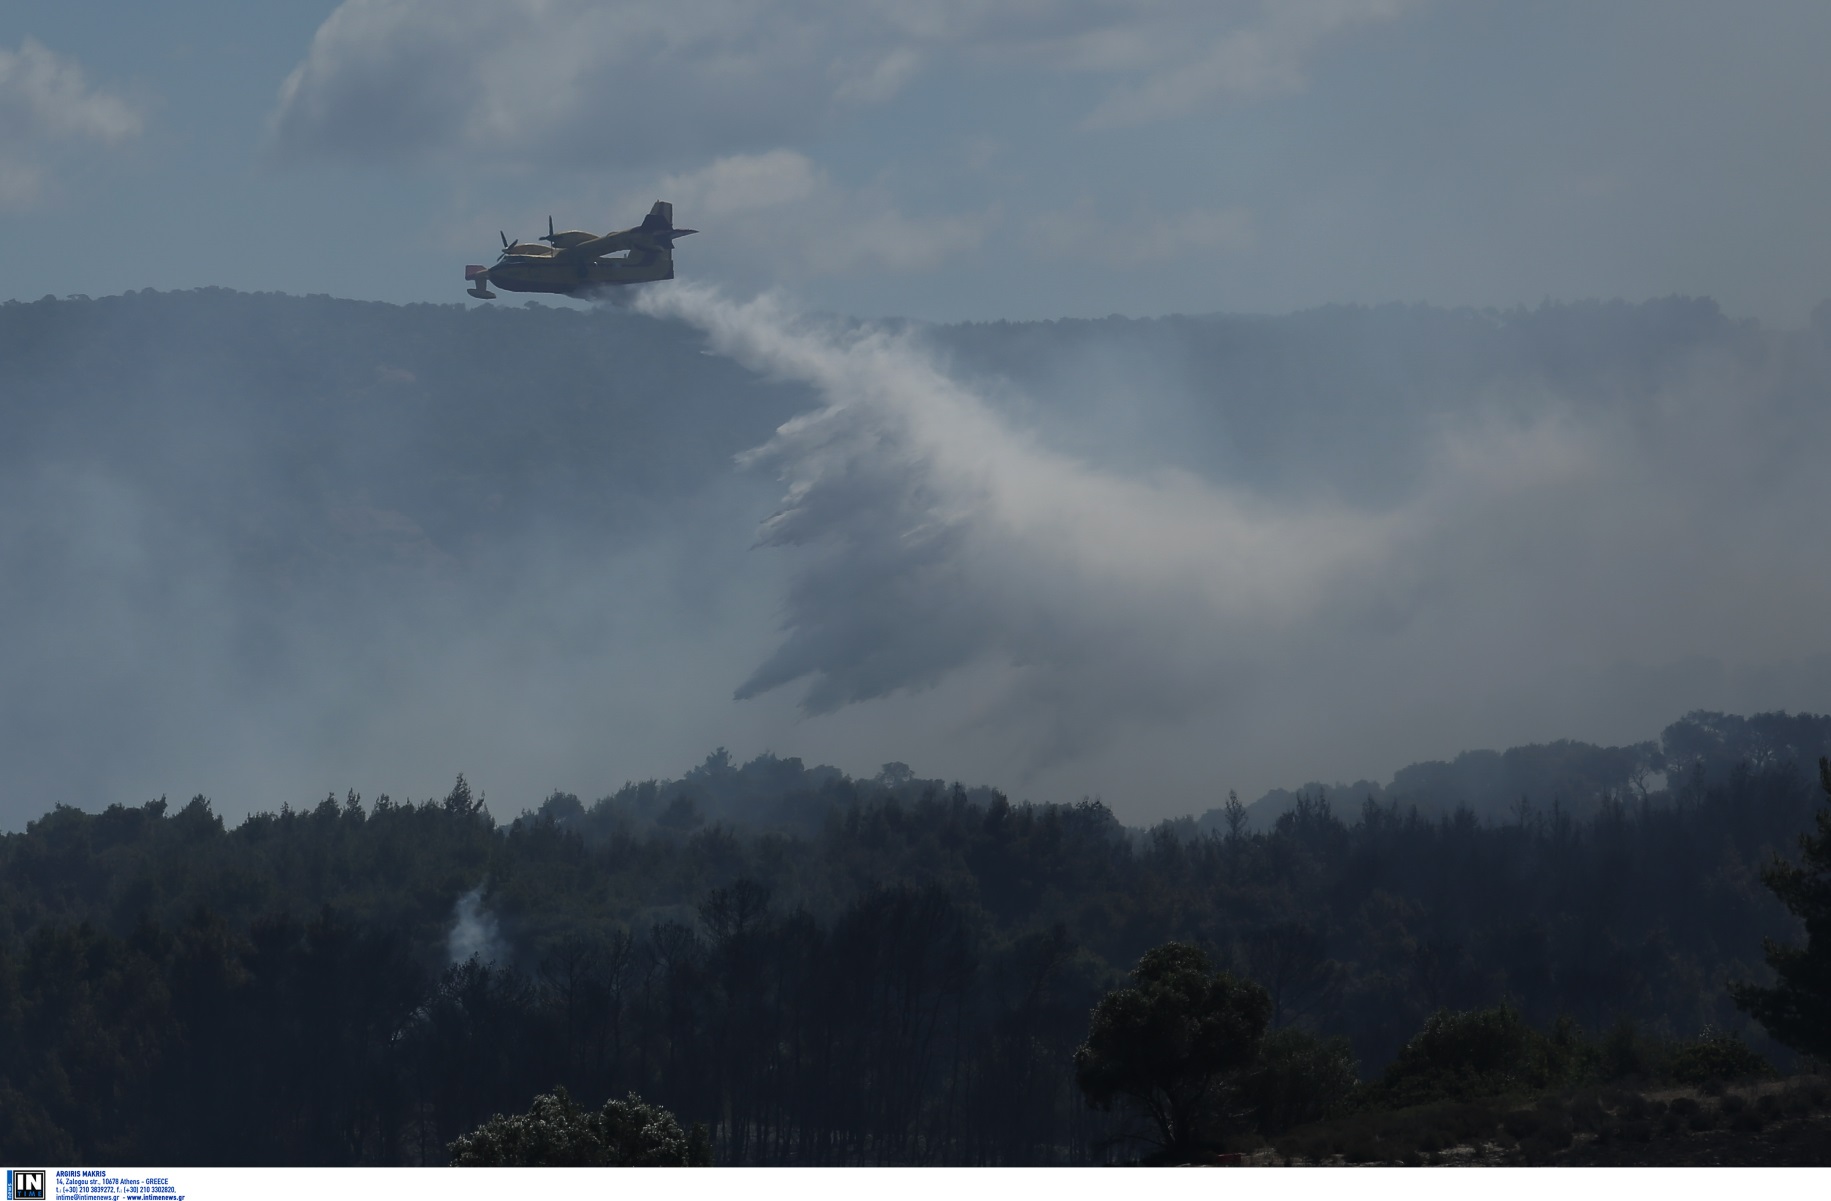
(1522, 1124)
(555, 1132)
(1480, 1052)
(1299, 1079)
(1626, 1054)
(1586, 1114)
(1546, 1124)
(1715, 1057)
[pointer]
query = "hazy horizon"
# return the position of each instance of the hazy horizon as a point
(1149, 560)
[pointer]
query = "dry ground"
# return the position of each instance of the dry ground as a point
(1783, 1123)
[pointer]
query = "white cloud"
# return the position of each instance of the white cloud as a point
(654, 81)
(1258, 57)
(882, 236)
(880, 77)
(47, 107)
(746, 183)
(568, 81)
(1126, 238)
(780, 212)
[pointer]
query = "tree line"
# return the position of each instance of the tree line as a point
(906, 982)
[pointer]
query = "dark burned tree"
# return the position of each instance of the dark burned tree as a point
(556, 1133)
(904, 980)
(1797, 1009)
(1174, 1046)
(1290, 959)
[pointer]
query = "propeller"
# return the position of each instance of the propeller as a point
(550, 237)
(505, 239)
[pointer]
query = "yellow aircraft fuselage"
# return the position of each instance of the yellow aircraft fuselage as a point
(520, 271)
(574, 262)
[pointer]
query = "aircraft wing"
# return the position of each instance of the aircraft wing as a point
(623, 239)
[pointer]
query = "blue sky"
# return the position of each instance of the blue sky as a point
(950, 159)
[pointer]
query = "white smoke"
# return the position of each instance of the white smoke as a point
(474, 931)
(939, 537)
(1545, 557)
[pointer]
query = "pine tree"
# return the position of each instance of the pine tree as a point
(1797, 1009)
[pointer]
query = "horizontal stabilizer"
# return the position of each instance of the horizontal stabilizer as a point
(659, 225)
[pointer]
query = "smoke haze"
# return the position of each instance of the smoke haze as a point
(475, 933)
(1543, 559)
(266, 546)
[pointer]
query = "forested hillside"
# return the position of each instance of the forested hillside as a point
(1100, 572)
(271, 540)
(822, 969)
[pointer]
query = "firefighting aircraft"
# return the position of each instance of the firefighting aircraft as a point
(572, 261)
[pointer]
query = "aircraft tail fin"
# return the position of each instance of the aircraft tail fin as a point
(660, 219)
(659, 225)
